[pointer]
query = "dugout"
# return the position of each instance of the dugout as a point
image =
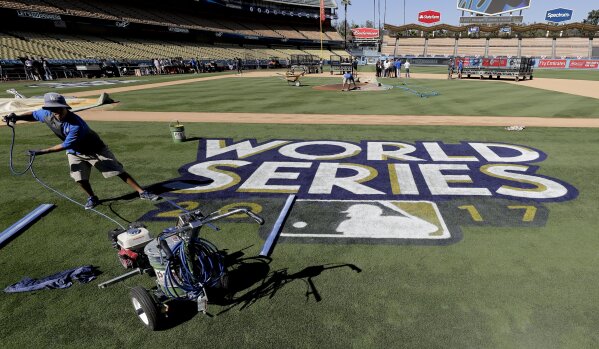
(519, 68)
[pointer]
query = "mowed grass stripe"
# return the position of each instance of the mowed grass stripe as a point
(272, 95)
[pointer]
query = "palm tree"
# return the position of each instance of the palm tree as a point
(345, 3)
(593, 17)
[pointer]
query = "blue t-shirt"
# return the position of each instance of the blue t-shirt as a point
(398, 65)
(75, 134)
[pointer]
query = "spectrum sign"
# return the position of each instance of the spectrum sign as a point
(558, 15)
(429, 17)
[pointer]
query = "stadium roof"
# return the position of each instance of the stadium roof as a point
(307, 3)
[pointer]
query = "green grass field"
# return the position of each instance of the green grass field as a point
(523, 282)
(272, 95)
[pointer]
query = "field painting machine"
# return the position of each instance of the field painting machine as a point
(185, 265)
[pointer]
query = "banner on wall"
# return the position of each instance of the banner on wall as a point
(584, 64)
(553, 63)
(568, 64)
(494, 62)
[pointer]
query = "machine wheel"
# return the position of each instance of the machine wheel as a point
(517, 78)
(145, 307)
(531, 77)
(298, 84)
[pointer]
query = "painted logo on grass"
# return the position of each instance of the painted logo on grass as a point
(372, 191)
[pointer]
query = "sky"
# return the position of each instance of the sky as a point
(362, 10)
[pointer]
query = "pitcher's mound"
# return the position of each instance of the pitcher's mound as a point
(360, 86)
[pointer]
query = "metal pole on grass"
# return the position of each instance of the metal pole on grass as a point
(24, 222)
(276, 229)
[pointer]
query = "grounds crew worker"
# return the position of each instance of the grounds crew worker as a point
(84, 147)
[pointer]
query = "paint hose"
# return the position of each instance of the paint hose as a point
(208, 268)
(42, 183)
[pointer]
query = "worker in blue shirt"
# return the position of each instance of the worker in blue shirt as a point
(398, 68)
(83, 146)
(348, 78)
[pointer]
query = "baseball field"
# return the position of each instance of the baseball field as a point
(418, 221)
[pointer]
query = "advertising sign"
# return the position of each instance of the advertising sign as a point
(365, 33)
(583, 64)
(558, 15)
(429, 61)
(492, 7)
(38, 15)
(473, 30)
(492, 20)
(429, 17)
(552, 63)
(494, 62)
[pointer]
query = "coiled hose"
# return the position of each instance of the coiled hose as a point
(208, 269)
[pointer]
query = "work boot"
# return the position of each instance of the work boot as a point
(92, 202)
(146, 195)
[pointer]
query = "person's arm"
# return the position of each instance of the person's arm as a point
(12, 117)
(54, 149)
(72, 137)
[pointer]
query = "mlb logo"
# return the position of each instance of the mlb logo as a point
(365, 220)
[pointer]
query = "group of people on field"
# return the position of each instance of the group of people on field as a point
(37, 69)
(392, 68)
(455, 66)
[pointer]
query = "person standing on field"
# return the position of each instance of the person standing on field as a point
(85, 149)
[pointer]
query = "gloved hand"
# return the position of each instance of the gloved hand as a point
(10, 118)
(32, 152)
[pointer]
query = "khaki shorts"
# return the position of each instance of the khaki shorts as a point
(80, 165)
